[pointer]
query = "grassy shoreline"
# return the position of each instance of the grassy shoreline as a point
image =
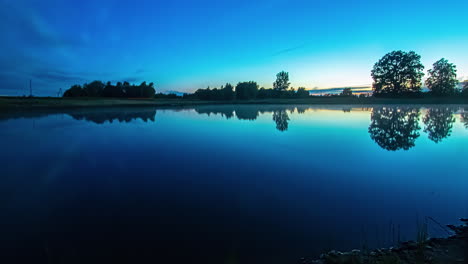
(449, 250)
(24, 103)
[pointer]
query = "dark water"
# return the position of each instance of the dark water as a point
(226, 184)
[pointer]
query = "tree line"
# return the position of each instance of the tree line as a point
(396, 74)
(250, 90)
(120, 90)
(400, 73)
(392, 128)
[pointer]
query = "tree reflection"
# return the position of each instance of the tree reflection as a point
(100, 117)
(439, 123)
(301, 109)
(394, 128)
(464, 117)
(247, 113)
(228, 113)
(281, 119)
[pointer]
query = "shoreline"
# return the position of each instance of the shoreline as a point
(450, 250)
(34, 103)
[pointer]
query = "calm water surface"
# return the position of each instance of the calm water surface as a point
(226, 184)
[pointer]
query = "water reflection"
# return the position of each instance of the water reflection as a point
(100, 117)
(187, 186)
(228, 113)
(464, 117)
(439, 123)
(247, 113)
(97, 116)
(281, 119)
(394, 128)
(251, 113)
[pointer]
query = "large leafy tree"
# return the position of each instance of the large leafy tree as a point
(394, 128)
(442, 78)
(398, 72)
(282, 81)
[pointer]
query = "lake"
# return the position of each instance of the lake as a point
(228, 183)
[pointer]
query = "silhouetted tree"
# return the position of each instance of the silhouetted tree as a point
(394, 128)
(398, 72)
(347, 92)
(442, 78)
(203, 94)
(246, 90)
(99, 89)
(465, 89)
(120, 89)
(128, 91)
(113, 91)
(439, 123)
(94, 89)
(147, 90)
(281, 119)
(74, 91)
(268, 93)
(228, 92)
(225, 93)
(302, 92)
(282, 81)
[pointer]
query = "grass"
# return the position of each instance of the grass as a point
(57, 103)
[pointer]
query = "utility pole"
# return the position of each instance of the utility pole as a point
(30, 87)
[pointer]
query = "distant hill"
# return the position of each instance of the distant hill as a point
(174, 92)
(338, 90)
(461, 84)
(359, 89)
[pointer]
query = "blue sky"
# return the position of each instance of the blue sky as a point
(184, 45)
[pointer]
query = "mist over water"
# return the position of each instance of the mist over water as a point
(226, 184)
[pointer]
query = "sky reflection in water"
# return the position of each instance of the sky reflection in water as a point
(227, 184)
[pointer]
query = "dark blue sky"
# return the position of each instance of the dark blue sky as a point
(184, 45)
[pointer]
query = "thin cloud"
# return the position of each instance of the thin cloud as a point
(140, 71)
(288, 50)
(57, 76)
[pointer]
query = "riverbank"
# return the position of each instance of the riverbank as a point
(9, 103)
(451, 250)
